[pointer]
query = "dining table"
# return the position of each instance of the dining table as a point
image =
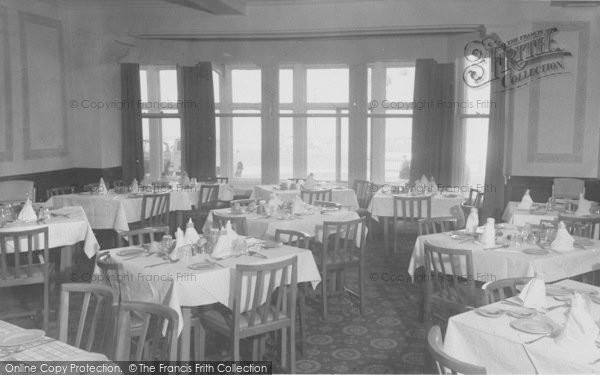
(67, 226)
(339, 194)
(198, 280)
(499, 338)
(264, 226)
(41, 348)
(509, 259)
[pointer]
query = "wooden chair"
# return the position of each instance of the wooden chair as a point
(436, 225)
(302, 240)
(25, 243)
(245, 202)
(155, 211)
(407, 212)
(504, 288)
(142, 236)
(449, 280)
(364, 192)
(97, 310)
(271, 306)
(208, 200)
(475, 198)
(61, 190)
(580, 226)
(343, 247)
(326, 204)
(312, 195)
(151, 344)
(112, 275)
(238, 223)
(567, 188)
(446, 364)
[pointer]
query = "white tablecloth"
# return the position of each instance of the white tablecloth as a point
(492, 343)
(382, 204)
(63, 231)
(490, 265)
(262, 227)
(44, 349)
(200, 287)
(344, 196)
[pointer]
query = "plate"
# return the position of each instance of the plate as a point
(595, 299)
(271, 244)
(130, 252)
(534, 251)
(22, 337)
(520, 314)
(489, 312)
(532, 326)
(555, 290)
(200, 266)
(450, 195)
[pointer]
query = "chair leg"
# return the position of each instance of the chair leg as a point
(324, 295)
(302, 317)
(256, 348)
(236, 348)
(292, 366)
(284, 338)
(199, 341)
(46, 311)
(361, 286)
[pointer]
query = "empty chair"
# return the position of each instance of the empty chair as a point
(25, 245)
(61, 190)
(96, 306)
(271, 306)
(446, 364)
(309, 196)
(238, 223)
(364, 193)
(16, 191)
(505, 288)
(142, 236)
(157, 339)
(449, 280)
(436, 225)
(326, 204)
(343, 247)
(155, 211)
(407, 211)
(567, 188)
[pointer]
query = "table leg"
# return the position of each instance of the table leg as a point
(386, 233)
(66, 257)
(184, 339)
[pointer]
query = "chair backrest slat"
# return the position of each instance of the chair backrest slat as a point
(294, 238)
(343, 242)
(411, 208)
(142, 236)
(497, 290)
(17, 240)
(209, 196)
(238, 223)
(155, 209)
(319, 195)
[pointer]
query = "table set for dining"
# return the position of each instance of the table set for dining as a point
(340, 194)
(505, 337)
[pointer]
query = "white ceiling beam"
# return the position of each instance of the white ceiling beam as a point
(217, 7)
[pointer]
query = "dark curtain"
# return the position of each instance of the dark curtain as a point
(493, 199)
(433, 121)
(197, 106)
(132, 146)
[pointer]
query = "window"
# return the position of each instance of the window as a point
(391, 86)
(474, 119)
(161, 125)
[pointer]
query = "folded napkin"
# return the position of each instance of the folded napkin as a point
(134, 186)
(228, 244)
(185, 179)
(580, 331)
(299, 207)
(526, 201)
(102, 187)
(310, 182)
(533, 294)
(191, 235)
(274, 203)
(433, 185)
(472, 221)
(27, 212)
(179, 243)
(488, 238)
(424, 181)
(583, 206)
(563, 240)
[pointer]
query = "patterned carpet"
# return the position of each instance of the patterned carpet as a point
(388, 338)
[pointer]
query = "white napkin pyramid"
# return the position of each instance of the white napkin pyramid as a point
(580, 331)
(583, 207)
(274, 203)
(191, 235)
(299, 206)
(102, 190)
(472, 221)
(526, 201)
(533, 294)
(424, 181)
(226, 192)
(185, 179)
(227, 244)
(489, 234)
(180, 245)
(27, 212)
(563, 240)
(433, 185)
(134, 186)
(310, 182)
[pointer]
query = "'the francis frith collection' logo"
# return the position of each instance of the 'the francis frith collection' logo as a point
(515, 63)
